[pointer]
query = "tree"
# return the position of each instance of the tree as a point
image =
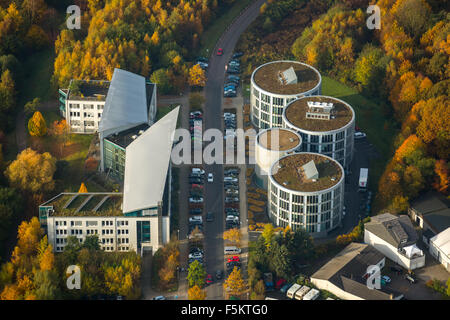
(32, 106)
(233, 235)
(197, 77)
(196, 274)
(442, 180)
(235, 284)
(196, 293)
(258, 291)
(83, 188)
(91, 243)
(60, 130)
(268, 234)
(161, 78)
(36, 125)
(32, 171)
(7, 91)
(413, 16)
(46, 283)
(281, 262)
(196, 100)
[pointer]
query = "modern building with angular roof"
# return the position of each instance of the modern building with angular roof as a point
(137, 219)
(440, 248)
(130, 108)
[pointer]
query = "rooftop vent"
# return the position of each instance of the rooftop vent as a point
(333, 179)
(287, 76)
(134, 137)
(285, 183)
(310, 170)
(291, 139)
(320, 110)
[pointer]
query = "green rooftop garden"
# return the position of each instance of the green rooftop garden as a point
(111, 207)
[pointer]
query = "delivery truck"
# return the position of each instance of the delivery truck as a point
(363, 176)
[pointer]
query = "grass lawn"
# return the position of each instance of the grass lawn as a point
(369, 117)
(212, 34)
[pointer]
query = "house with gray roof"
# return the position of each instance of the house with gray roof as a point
(351, 274)
(432, 213)
(396, 238)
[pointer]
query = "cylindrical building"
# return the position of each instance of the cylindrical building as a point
(273, 85)
(271, 145)
(306, 190)
(326, 125)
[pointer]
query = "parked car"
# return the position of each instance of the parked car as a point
(229, 94)
(396, 269)
(196, 200)
(410, 278)
(219, 274)
(360, 135)
(196, 211)
(195, 255)
(233, 258)
(195, 219)
(386, 279)
(202, 59)
(219, 51)
(159, 298)
(209, 217)
(233, 77)
(209, 279)
(210, 178)
(237, 54)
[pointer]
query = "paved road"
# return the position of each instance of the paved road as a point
(213, 119)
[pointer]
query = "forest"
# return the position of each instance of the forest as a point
(403, 67)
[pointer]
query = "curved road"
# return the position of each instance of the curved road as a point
(214, 196)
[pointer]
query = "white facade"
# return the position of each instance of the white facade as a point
(83, 116)
(440, 248)
(337, 144)
(265, 157)
(266, 107)
(115, 233)
(317, 212)
(417, 260)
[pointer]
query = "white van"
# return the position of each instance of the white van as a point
(232, 250)
(313, 294)
(292, 290)
(301, 293)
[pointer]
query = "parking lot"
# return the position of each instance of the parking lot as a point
(417, 290)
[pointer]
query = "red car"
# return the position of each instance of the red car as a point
(196, 186)
(219, 51)
(233, 259)
(209, 279)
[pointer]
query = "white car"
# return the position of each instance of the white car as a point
(230, 179)
(360, 135)
(196, 255)
(196, 219)
(210, 177)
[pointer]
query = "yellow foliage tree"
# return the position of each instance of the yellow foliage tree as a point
(197, 76)
(196, 293)
(235, 284)
(32, 171)
(36, 125)
(83, 188)
(233, 235)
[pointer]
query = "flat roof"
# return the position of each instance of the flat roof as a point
(295, 113)
(91, 204)
(124, 138)
(266, 77)
(287, 139)
(442, 240)
(90, 90)
(290, 174)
